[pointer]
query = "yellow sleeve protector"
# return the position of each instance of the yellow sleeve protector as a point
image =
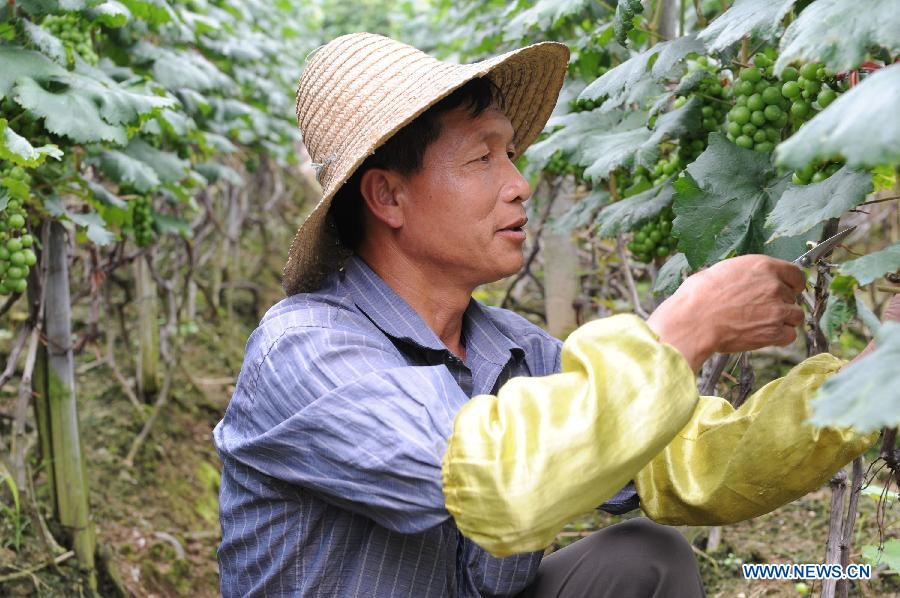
(522, 464)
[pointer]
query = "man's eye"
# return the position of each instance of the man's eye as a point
(511, 155)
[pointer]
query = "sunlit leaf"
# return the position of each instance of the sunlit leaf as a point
(582, 214)
(154, 11)
(17, 149)
(46, 42)
(759, 18)
(111, 13)
(874, 265)
(168, 166)
(801, 207)
(128, 171)
(839, 312)
(890, 555)
(623, 215)
(638, 78)
(93, 224)
(840, 33)
(672, 274)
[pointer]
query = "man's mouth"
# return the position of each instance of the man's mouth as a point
(517, 226)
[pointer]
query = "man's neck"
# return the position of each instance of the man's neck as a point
(440, 306)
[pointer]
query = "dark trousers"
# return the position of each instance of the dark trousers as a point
(633, 559)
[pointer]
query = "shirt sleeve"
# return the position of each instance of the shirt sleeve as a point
(727, 464)
(523, 463)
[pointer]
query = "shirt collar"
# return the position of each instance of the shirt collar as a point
(396, 318)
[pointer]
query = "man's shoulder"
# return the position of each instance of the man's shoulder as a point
(520, 330)
(312, 310)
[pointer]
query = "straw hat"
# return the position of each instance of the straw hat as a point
(360, 89)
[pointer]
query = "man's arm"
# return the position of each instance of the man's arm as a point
(749, 461)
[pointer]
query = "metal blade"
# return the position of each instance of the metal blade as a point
(822, 249)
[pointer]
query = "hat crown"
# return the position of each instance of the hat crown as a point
(345, 90)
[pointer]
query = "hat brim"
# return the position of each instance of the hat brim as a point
(529, 80)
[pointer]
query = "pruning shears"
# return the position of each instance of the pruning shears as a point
(811, 257)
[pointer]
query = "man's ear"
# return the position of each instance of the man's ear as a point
(381, 190)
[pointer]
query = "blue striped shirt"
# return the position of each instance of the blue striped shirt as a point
(333, 440)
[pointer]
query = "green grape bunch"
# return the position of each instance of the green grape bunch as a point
(142, 221)
(628, 183)
(811, 89)
(654, 238)
(760, 113)
(623, 22)
(75, 35)
(560, 166)
(710, 92)
(16, 253)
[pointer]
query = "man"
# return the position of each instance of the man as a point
(389, 436)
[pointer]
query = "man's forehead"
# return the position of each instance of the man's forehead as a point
(490, 125)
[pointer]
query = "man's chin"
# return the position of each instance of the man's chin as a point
(510, 268)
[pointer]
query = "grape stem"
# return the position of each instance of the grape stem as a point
(883, 199)
(629, 280)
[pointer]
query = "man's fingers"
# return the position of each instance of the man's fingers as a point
(787, 294)
(791, 275)
(794, 316)
(788, 336)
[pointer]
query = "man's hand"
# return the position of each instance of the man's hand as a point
(739, 304)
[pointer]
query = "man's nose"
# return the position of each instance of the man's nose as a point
(517, 187)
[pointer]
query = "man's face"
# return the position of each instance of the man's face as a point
(464, 209)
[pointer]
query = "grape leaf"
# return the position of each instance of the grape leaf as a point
(625, 214)
(18, 150)
(637, 78)
(106, 197)
(219, 143)
(214, 171)
(128, 171)
(57, 108)
(811, 37)
(111, 13)
(760, 18)
(721, 201)
(172, 225)
(183, 69)
(890, 555)
(153, 11)
(861, 125)
(37, 8)
(168, 166)
(671, 275)
(18, 63)
(46, 42)
(576, 127)
(544, 13)
(865, 394)
(582, 214)
(872, 266)
(92, 222)
(838, 313)
(801, 207)
(867, 316)
(603, 141)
